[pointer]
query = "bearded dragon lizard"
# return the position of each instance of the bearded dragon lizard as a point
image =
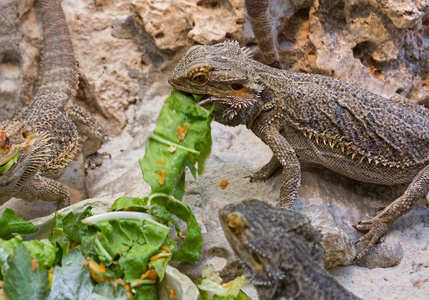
(38, 143)
(279, 249)
(309, 117)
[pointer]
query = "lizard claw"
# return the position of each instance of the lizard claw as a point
(376, 228)
(95, 160)
(261, 174)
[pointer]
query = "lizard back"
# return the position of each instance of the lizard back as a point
(356, 121)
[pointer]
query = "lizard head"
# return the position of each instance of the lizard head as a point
(21, 152)
(249, 236)
(268, 240)
(222, 75)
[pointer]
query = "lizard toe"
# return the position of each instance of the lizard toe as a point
(95, 160)
(376, 228)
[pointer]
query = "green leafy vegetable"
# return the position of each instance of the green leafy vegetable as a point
(71, 281)
(178, 110)
(211, 286)
(146, 292)
(105, 291)
(6, 249)
(162, 205)
(7, 166)
(43, 251)
(11, 223)
(75, 229)
(130, 244)
(22, 280)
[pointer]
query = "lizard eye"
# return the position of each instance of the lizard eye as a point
(256, 258)
(236, 222)
(200, 78)
(236, 86)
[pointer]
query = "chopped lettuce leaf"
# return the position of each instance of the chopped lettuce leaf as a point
(134, 262)
(61, 240)
(7, 166)
(23, 279)
(211, 286)
(44, 251)
(6, 249)
(105, 291)
(11, 223)
(162, 206)
(193, 241)
(167, 152)
(160, 264)
(75, 229)
(71, 281)
(146, 292)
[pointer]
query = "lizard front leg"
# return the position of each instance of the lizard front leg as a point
(45, 189)
(378, 226)
(86, 125)
(286, 156)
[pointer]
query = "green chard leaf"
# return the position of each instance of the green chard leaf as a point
(23, 282)
(11, 223)
(71, 281)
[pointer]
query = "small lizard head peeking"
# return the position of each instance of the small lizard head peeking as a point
(259, 256)
(220, 74)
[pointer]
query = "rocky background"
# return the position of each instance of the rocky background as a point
(126, 50)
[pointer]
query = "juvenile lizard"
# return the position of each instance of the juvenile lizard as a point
(279, 249)
(43, 137)
(317, 119)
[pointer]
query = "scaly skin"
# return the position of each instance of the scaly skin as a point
(318, 119)
(46, 131)
(279, 249)
(260, 19)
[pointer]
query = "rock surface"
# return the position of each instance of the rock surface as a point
(126, 50)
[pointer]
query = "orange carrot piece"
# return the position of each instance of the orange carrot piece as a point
(160, 255)
(34, 265)
(223, 183)
(162, 178)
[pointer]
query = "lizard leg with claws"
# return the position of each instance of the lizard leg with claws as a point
(378, 226)
(268, 170)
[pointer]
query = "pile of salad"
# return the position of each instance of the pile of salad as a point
(122, 253)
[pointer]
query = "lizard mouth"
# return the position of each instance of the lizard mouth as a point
(10, 163)
(207, 101)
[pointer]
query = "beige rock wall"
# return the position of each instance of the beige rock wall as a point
(124, 46)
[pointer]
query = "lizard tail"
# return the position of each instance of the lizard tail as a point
(58, 66)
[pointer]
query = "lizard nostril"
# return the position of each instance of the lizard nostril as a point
(236, 86)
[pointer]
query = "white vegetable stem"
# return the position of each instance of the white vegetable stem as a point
(139, 282)
(104, 251)
(167, 142)
(118, 215)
